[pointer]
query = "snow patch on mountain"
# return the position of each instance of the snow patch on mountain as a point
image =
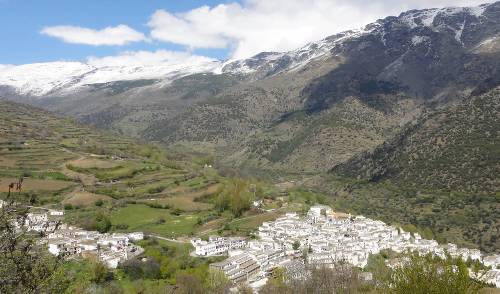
(277, 62)
(416, 40)
(426, 17)
(40, 79)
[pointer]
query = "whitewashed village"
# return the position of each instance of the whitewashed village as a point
(73, 242)
(323, 238)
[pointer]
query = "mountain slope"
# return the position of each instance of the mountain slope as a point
(393, 69)
(453, 149)
(311, 108)
(39, 80)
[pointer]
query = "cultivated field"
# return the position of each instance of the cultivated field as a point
(94, 176)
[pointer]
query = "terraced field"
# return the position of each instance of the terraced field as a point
(99, 177)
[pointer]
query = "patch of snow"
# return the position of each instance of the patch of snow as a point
(415, 40)
(478, 10)
(459, 32)
(428, 18)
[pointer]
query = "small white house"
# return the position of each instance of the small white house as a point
(492, 260)
(56, 212)
(136, 236)
(318, 210)
(111, 259)
(63, 247)
(217, 245)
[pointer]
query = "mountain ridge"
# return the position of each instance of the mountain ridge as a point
(263, 111)
(90, 72)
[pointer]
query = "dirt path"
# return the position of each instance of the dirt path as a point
(167, 239)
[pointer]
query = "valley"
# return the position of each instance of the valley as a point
(333, 108)
(393, 128)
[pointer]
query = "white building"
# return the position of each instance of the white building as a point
(318, 210)
(492, 261)
(64, 247)
(56, 212)
(136, 236)
(217, 245)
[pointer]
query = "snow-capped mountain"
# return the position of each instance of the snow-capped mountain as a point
(63, 78)
(40, 79)
(275, 62)
(453, 19)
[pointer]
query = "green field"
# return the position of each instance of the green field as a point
(140, 217)
(127, 186)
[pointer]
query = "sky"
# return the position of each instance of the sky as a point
(152, 30)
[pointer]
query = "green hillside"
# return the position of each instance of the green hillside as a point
(455, 149)
(138, 187)
(440, 174)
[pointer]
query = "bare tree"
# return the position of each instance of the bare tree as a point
(341, 278)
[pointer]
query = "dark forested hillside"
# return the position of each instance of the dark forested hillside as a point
(455, 149)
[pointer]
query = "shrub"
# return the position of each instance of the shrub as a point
(100, 223)
(430, 274)
(133, 268)
(121, 226)
(177, 211)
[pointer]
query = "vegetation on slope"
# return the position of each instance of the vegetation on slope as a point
(455, 149)
(440, 175)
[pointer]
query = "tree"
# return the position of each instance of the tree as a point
(296, 245)
(217, 282)
(100, 223)
(343, 278)
(235, 196)
(133, 268)
(240, 200)
(98, 272)
(189, 284)
(244, 289)
(430, 274)
(26, 265)
(276, 284)
(151, 269)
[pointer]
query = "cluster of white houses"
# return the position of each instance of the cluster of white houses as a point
(217, 245)
(71, 242)
(328, 238)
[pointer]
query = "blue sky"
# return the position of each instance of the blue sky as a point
(22, 20)
(220, 29)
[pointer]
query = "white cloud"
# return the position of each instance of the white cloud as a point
(146, 58)
(278, 25)
(119, 35)
(181, 31)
